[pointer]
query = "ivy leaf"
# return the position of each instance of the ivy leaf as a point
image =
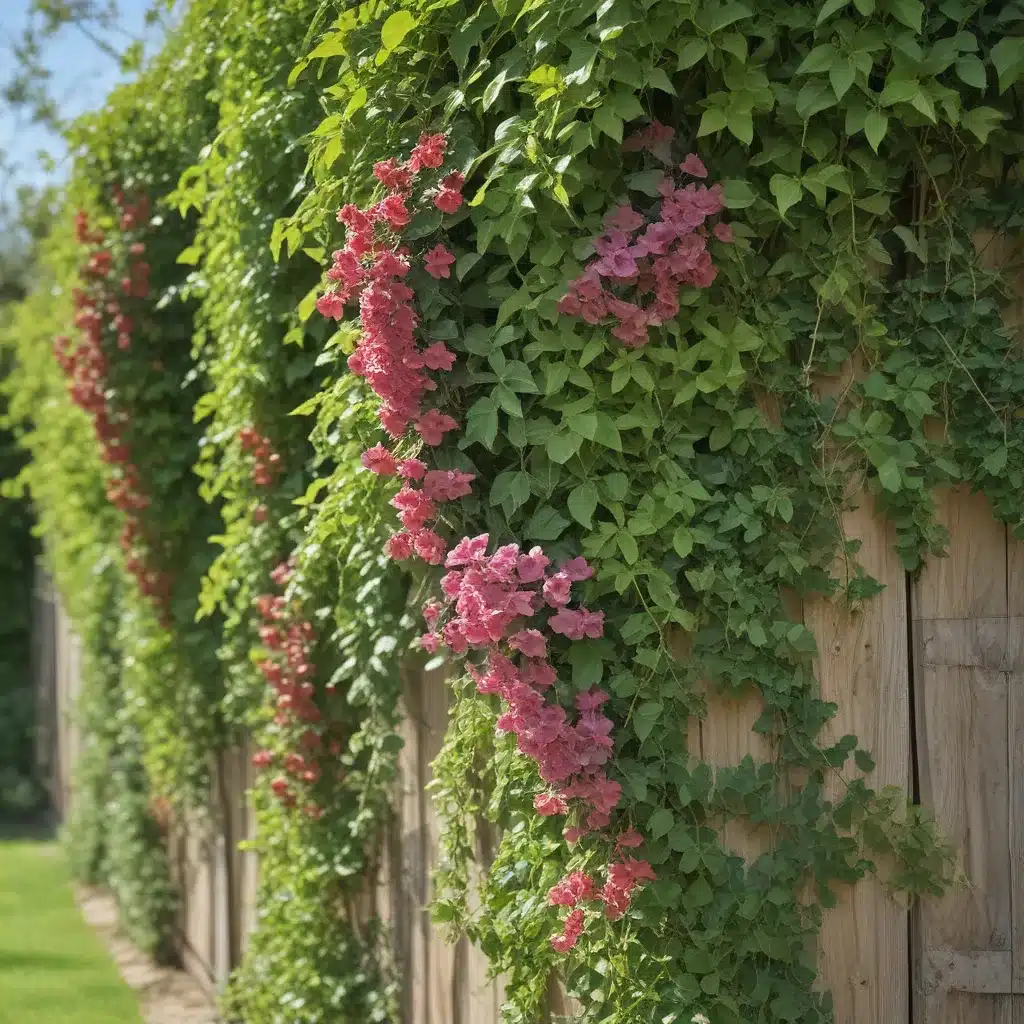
(644, 719)
(713, 120)
(787, 191)
(1008, 60)
(607, 433)
(995, 462)
(581, 503)
(396, 28)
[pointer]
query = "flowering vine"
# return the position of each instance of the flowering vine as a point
(498, 606)
(310, 750)
(104, 318)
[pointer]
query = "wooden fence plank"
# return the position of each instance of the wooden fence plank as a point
(863, 666)
(962, 715)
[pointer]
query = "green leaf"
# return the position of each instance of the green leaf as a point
(396, 28)
(889, 475)
(190, 256)
(787, 191)
(607, 433)
(1008, 59)
(737, 195)
(713, 120)
(660, 823)
(821, 58)
(608, 122)
(581, 503)
(970, 69)
(829, 8)
(645, 717)
(899, 90)
(908, 12)
(627, 545)
(482, 422)
(562, 446)
(876, 124)
(682, 541)
(546, 524)
(690, 52)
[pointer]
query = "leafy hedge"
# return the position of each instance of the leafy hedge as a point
(636, 235)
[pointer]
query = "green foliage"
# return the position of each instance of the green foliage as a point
(863, 149)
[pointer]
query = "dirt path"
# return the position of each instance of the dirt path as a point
(166, 996)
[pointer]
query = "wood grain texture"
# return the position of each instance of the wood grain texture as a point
(962, 716)
(412, 921)
(863, 667)
(441, 956)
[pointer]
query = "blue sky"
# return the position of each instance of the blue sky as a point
(82, 77)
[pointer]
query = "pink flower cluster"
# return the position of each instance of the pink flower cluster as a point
(310, 748)
(500, 606)
(372, 266)
(641, 260)
(624, 874)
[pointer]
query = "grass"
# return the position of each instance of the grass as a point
(53, 968)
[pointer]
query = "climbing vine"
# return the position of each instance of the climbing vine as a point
(573, 330)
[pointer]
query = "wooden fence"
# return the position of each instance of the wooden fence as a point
(929, 675)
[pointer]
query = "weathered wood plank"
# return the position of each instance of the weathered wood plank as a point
(412, 922)
(962, 713)
(1015, 739)
(863, 666)
(441, 956)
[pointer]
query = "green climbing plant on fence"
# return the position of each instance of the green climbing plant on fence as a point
(829, 332)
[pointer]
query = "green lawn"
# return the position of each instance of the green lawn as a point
(53, 969)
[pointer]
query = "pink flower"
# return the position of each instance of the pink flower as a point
(556, 589)
(428, 152)
(591, 700)
(531, 567)
(577, 569)
(624, 218)
(379, 460)
(570, 933)
(447, 484)
(438, 357)
(432, 612)
(694, 166)
(430, 642)
(467, 551)
(723, 232)
(399, 546)
(331, 305)
(438, 261)
(547, 805)
(448, 200)
(393, 209)
(530, 642)
(412, 469)
(630, 838)
(454, 181)
(392, 175)
(429, 546)
(433, 425)
(574, 888)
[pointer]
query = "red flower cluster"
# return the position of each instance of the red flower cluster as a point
(107, 329)
(649, 257)
(289, 671)
(616, 894)
(372, 266)
(493, 603)
(266, 462)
